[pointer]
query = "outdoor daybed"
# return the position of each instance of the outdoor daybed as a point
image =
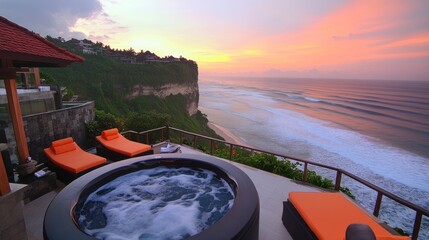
(70, 160)
(114, 146)
(326, 215)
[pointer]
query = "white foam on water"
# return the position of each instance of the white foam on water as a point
(159, 203)
(268, 126)
(284, 125)
(394, 163)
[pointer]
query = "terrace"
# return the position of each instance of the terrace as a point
(272, 189)
(30, 50)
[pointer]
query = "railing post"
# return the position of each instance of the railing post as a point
(377, 204)
(195, 141)
(304, 177)
(420, 212)
(338, 181)
(162, 135)
(417, 224)
(167, 131)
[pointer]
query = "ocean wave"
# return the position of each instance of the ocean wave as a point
(295, 95)
(416, 105)
(374, 112)
(394, 109)
(280, 127)
(355, 107)
(380, 158)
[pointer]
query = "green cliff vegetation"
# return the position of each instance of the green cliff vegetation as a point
(107, 80)
(270, 163)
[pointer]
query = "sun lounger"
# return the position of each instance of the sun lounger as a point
(114, 146)
(66, 155)
(316, 215)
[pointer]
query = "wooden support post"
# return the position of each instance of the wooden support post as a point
(15, 112)
(16, 117)
(4, 181)
(37, 77)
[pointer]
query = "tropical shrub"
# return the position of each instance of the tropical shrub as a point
(102, 121)
(270, 163)
(145, 121)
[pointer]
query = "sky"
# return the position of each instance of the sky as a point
(362, 39)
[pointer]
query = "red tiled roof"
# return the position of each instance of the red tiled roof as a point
(28, 49)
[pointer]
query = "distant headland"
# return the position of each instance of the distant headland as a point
(130, 56)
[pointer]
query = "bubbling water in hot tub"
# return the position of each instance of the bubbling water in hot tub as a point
(156, 203)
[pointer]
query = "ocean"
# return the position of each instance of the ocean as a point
(378, 130)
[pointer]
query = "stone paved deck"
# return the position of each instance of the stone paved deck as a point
(272, 190)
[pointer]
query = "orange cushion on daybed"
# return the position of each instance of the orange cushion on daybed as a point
(392, 237)
(61, 142)
(120, 144)
(329, 214)
(70, 157)
(110, 134)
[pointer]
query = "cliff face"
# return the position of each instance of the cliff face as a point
(189, 90)
(120, 88)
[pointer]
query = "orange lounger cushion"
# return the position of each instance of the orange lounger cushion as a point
(329, 214)
(74, 161)
(64, 148)
(110, 134)
(120, 144)
(392, 237)
(61, 142)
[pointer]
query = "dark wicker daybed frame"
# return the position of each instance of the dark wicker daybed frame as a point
(330, 213)
(115, 156)
(66, 176)
(294, 223)
(62, 158)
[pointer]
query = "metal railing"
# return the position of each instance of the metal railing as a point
(165, 134)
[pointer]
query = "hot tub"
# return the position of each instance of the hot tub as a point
(241, 221)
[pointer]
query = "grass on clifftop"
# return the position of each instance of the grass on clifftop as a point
(108, 82)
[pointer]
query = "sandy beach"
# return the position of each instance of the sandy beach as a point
(227, 135)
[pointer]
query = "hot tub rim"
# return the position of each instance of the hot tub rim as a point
(235, 223)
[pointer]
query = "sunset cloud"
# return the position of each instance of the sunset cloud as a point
(48, 17)
(98, 27)
(370, 39)
(355, 33)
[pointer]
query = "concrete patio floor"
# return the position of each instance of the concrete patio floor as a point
(272, 190)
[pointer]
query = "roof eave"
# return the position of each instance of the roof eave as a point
(28, 60)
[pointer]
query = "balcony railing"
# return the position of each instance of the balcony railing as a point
(166, 131)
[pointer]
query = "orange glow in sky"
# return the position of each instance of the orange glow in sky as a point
(383, 39)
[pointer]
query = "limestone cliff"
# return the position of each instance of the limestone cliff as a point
(189, 90)
(115, 87)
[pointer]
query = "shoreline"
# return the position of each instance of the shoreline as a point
(227, 135)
